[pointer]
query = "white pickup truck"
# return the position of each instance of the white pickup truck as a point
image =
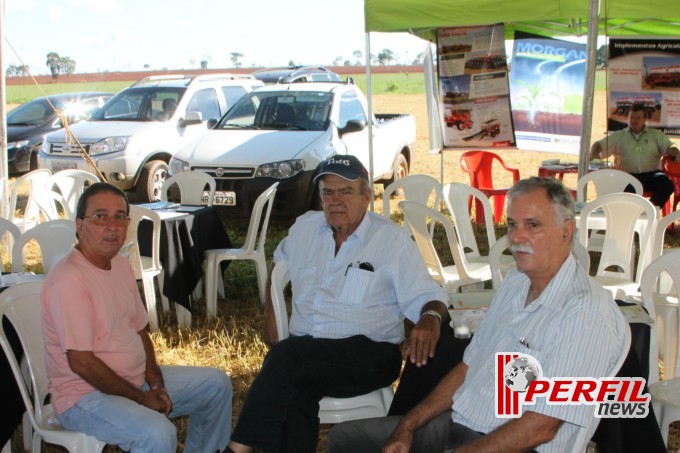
(132, 137)
(281, 132)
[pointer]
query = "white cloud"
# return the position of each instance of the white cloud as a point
(54, 12)
(101, 6)
(20, 5)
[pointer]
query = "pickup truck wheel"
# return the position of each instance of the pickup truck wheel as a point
(400, 170)
(151, 180)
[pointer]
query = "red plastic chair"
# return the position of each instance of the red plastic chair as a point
(672, 170)
(479, 165)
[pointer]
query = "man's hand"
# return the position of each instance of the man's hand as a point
(270, 334)
(424, 338)
(400, 441)
(158, 400)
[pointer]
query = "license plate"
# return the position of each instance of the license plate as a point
(58, 166)
(220, 199)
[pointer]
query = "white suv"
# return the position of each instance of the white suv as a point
(134, 135)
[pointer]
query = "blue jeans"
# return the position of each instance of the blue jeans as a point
(204, 394)
(281, 410)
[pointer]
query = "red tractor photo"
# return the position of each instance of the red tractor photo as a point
(462, 119)
(491, 127)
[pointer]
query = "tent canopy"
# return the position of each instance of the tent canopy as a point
(547, 17)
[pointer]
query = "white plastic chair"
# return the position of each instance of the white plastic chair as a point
(666, 393)
(253, 249)
(331, 410)
(606, 181)
(39, 199)
(666, 306)
(464, 271)
(458, 197)
(9, 233)
(21, 305)
(419, 188)
(499, 267)
(624, 213)
(191, 185)
(70, 184)
(145, 268)
(55, 239)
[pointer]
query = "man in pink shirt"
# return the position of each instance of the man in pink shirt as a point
(104, 378)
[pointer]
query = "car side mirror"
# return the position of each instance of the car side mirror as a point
(212, 122)
(191, 118)
(352, 126)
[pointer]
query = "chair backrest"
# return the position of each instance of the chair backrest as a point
(672, 170)
(665, 265)
(503, 244)
(137, 214)
(55, 239)
(418, 188)
(458, 197)
(606, 181)
(479, 166)
(280, 278)
(70, 184)
(659, 237)
(622, 212)
(21, 305)
(191, 185)
(257, 228)
(35, 182)
(421, 219)
(8, 228)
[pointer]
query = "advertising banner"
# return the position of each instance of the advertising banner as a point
(647, 72)
(473, 86)
(546, 82)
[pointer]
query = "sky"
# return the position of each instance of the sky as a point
(124, 35)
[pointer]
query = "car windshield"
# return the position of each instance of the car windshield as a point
(141, 104)
(289, 110)
(34, 113)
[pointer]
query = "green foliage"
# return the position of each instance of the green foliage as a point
(18, 94)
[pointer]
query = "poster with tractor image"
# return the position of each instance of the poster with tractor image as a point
(644, 72)
(473, 82)
(546, 86)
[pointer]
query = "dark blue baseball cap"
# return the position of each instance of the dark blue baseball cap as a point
(346, 166)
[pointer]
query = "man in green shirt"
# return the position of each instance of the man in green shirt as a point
(638, 150)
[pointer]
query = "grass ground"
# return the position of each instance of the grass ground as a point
(232, 341)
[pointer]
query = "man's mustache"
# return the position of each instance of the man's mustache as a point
(522, 248)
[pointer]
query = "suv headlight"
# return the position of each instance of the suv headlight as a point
(280, 170)
(108, 145)
(19, 144)
(178, 166)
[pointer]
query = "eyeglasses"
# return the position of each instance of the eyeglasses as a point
(120, 220)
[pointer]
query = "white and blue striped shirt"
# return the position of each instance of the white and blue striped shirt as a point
(334, 298)
(574, 329)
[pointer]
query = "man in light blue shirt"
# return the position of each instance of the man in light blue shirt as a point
(355, 277)
(547, 308)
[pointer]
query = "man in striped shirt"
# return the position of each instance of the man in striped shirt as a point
(355, 276)
(547, 308)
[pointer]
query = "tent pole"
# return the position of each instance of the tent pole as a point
(4, 172)
(369, 98)
(589, 88)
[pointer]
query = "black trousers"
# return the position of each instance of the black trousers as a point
(656, 182)
(280, 413)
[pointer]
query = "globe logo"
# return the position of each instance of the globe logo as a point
(520, 372)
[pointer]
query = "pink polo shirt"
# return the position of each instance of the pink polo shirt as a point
(85, 308)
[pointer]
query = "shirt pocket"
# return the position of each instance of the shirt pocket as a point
(355, 286)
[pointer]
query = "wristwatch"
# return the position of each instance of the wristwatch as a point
(432, 313)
